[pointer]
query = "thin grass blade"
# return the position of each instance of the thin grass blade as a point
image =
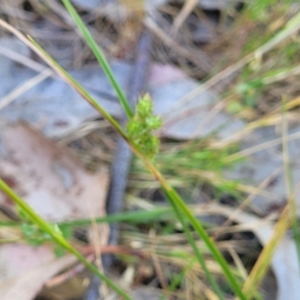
(57, 236)
(198, 254)
(100, 57)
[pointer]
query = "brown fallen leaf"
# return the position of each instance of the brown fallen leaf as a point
(25, 269)
(56, 185)
(49, 177)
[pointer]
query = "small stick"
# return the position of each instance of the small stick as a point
(89, 252)
(113, 249)
(123, 155)
(61, 278)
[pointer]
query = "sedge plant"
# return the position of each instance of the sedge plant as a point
(184, 215)
(136, 139)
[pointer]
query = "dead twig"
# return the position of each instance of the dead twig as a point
(123, 154)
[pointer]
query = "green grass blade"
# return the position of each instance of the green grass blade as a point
(262, 264)
(291, 27)
(57, 236)
(132, 217)
(198, 254)
(179, 277)
(181, 207)
(100, 57)
(289, 181)
(75, 84)
(9, 223)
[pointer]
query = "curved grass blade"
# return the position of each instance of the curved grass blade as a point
(181, 208)
(262, 264)
(57, 236)
(100, 57)
(198, 254)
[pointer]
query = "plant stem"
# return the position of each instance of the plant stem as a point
(57, 237)
(100, 58)
(198, 254)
